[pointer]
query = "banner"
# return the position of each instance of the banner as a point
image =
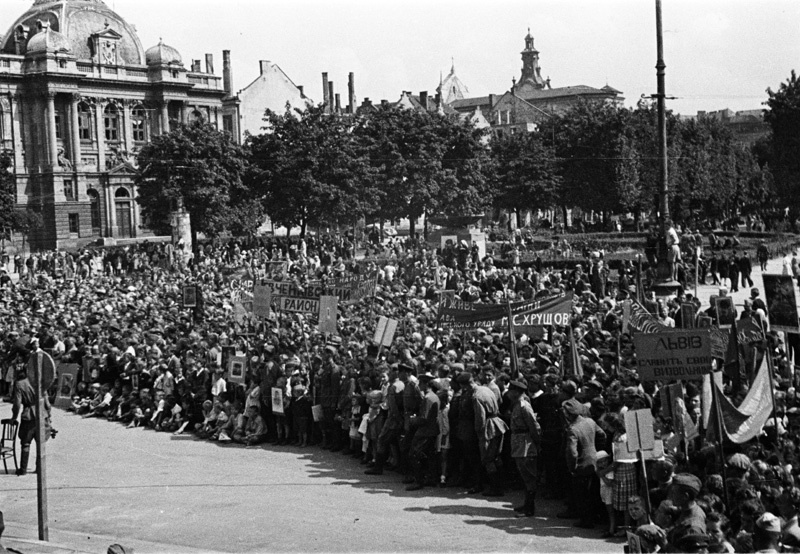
(262, 298)
(347, 290)
(781, 303)
(679, 355)
(747, 421)
(643, 322)
(299, 305)
(458, 315)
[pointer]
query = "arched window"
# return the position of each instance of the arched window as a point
(139, 123)
(84, 121)
(94, 200)
(111, 119)
(196, 115)
(122, 192)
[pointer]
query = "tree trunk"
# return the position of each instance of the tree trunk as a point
(411, 226)
(564, 213)
(302, 230)
(425, 228)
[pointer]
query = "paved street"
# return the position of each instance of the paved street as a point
(705, 292)
(159, 493)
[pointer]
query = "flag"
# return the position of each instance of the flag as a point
(577, 368)
(746, 422)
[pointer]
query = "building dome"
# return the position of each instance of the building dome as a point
(77, 20)
(48, 40)
(162, 54)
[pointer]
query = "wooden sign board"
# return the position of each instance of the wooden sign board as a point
(262, 298)
(639, 430)
(328, 308)
(190, 296)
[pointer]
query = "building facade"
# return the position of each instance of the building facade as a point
(530, 100)
(79, 96)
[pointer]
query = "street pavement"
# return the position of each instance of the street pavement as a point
(159, 493)
(705, 292)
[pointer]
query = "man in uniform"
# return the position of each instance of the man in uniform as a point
(525, 440)
(426, 426)
(581, 456)
(389, 436)
(25, 400)
(490, 429)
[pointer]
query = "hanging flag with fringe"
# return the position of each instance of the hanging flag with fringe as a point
(747, 421)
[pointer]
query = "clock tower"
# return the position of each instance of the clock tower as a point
(531, 72)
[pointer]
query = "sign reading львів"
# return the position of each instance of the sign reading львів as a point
(674, 355)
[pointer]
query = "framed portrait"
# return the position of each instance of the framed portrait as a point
(726, 313)
(704, 322)
(781, 303)
(277, 401)
(190, 296)
(236, 369)
(67, 380)
(687, 315)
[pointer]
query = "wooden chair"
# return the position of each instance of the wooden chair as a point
(8, 442)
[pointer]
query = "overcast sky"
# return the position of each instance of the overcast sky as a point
(720, 53)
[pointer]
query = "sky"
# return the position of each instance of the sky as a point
(719, 53)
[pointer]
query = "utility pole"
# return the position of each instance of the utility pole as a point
(663, 169)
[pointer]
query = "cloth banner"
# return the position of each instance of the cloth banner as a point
(458, 315)
(643, 322)
(746, 422)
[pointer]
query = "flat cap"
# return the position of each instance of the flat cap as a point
(572, 407)
(518, 385)
(688, 481)
(739, 461)
(464, 378)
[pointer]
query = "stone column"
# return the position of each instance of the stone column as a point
(127, 127)
(101, 134)
(112, 211)
(135, 222)
(52, 141)
(185, 113)
(165, 117)
(17, 137)
(74, 125)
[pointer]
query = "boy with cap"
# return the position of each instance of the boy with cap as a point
(582, 435)
(683, 493)
(525, 441)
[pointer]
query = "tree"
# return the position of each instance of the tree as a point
(310, 168)
(783, 117)
(203, 168)
(526, 172)
(425, 163)
(11, 217)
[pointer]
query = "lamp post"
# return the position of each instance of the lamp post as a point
(663, 169)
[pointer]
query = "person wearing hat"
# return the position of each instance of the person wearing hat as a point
(426, 425)
(767, 533)
(490, 429)
(526, 436)
(582, 435)
(25, 401)
(683, 494)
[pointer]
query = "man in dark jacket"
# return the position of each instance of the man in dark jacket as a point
(581, 455)
(25, 400)
(426, 425)
(329, 383)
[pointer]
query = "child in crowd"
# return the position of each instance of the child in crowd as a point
(443, 440)
(301, 413)
(281, 420)
(605, 472)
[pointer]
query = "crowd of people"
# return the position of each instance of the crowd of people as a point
(479, 410)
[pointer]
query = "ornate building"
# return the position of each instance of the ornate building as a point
(530, 99)
(79, 96)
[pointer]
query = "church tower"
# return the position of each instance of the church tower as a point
(531, 72)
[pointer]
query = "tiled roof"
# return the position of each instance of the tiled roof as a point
(470, 102)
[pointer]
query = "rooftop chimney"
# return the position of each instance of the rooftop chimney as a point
(384, 102)
(227, 72)
(351, 93)
(423, 99)
(210, 64)
(195, 66)
(491, 101)
(338, 103)
(300, 88)
(330, 96)
(263, 66)
(325, 98)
